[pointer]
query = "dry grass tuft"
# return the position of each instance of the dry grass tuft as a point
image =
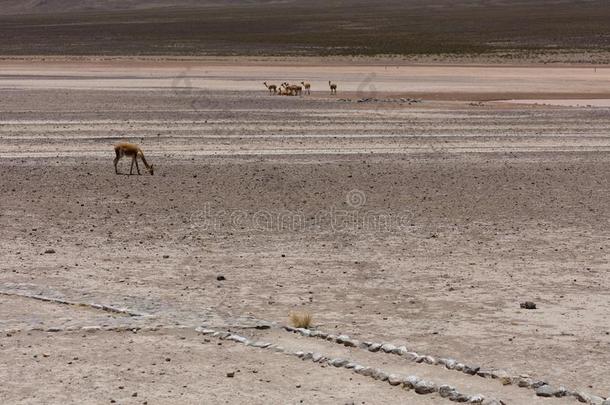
(301, 319)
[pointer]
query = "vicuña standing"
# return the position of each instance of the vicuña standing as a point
(333, 87)
(307, 87)
(133, 151)
(272, 88)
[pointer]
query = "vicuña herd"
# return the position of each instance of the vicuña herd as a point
(133, 151)
(287, 89)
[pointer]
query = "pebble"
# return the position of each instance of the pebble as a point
(221, 278)
(49, 251)
(231, 374)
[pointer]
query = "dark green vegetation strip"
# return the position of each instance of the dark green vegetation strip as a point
(315, 28)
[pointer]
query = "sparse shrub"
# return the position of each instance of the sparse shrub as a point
(301, 319)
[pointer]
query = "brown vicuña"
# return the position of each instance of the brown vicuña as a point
(134, 152)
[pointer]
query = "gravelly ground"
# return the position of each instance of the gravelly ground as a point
(426, 223)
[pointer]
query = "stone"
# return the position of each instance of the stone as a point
(582, 396)
(49, 251)
(231, 374)
(450, 364)
(485, 373)
(446, 390)
(595, 400)
(476, 399)
(374, 347)
(350, 365)
(394, 379)
(412, 356)
(220, 278)
(238, 339)
(561, 392)
(388, 347)
(528, 305)
(380, 375)
(411, 381)
(316, 357)
(429, 360)
(262, 325)
(338, 362)
(366, 371)
(471, 370)
(538, 383)
(260, 345)
(358, 368)
(525, 382)
(459, 367)
(425, 387)
(400, 350)
(458, 397)
(307, 356)
(342, 338)
(546, 391)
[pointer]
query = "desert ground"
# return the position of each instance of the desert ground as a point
(420, 206)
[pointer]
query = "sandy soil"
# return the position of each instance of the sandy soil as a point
(422, 223)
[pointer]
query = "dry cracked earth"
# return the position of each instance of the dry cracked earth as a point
(423, 224)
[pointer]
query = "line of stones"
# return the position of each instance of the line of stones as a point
(419, 385)
(542, 388)
(101, 307)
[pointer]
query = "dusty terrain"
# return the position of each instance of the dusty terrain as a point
(420, 223)
(508, 30)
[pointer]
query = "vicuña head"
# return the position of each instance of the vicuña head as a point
(133, 151)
